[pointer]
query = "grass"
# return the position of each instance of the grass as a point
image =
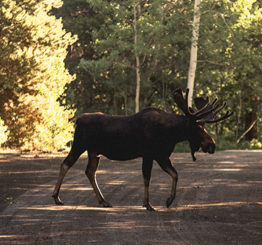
(11, 200)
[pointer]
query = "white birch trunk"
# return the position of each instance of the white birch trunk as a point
(138, 82)
(137, 10)
(193, 53)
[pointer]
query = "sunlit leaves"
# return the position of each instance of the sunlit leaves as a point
(32, 74)
(230, 56)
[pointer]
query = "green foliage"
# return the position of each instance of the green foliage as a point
(224, 143)
(104, 57)
(255, 144)
(229, 65)
(55, 130)
(32, 73)
(229, 57)
(11, 200)
(33, 77)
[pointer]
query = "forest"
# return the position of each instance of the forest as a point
(59, 59)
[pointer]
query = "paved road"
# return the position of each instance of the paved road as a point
(219, 201)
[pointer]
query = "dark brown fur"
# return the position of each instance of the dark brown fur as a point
(151, 134)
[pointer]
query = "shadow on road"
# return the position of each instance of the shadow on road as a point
(219, 201)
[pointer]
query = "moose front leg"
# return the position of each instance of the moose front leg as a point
(146, 169)
(166, 165)
(93, 162)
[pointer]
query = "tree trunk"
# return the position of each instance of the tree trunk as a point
(138, 83)
(137, 11)
(250, 119)
(251, 116)
(193, 53)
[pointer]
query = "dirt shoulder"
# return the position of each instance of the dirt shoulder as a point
(219, 201)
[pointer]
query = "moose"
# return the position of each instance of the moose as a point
(150, 134)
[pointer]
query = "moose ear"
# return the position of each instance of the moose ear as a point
(178, 93)
(200, 102)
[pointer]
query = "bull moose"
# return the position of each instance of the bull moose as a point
(150, 134)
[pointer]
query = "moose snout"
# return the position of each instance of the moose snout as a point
(210, 148)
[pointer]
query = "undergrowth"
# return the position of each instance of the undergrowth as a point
(224, 144)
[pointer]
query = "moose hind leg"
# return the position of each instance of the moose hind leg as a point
(168, 168)
(65, 166)
(146, 169)
(93, 162)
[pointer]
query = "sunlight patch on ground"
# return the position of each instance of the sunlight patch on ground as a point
(81, 207)
(225, 162)
(33, 172)
(116, 182)
(228, 169)
(76, 187)
(13, 236)
(79, 189)
(220, 204)
(254, 181)
(136, 208)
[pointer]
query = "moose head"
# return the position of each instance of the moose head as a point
(205, 112)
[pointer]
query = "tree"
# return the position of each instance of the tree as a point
(104, 58)
(106, 65)
(137, 12)
(193, 53)
(32, 74)
(229, 61)
(80, 19)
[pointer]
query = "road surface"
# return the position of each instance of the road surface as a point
(219, 201)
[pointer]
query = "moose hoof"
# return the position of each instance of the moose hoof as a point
(148, 207)
(169, 201)
(106, 204)
(58, 201)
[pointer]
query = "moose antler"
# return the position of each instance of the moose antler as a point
(180, 101)
(228, 114)
(210, 115)
(205, 112)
